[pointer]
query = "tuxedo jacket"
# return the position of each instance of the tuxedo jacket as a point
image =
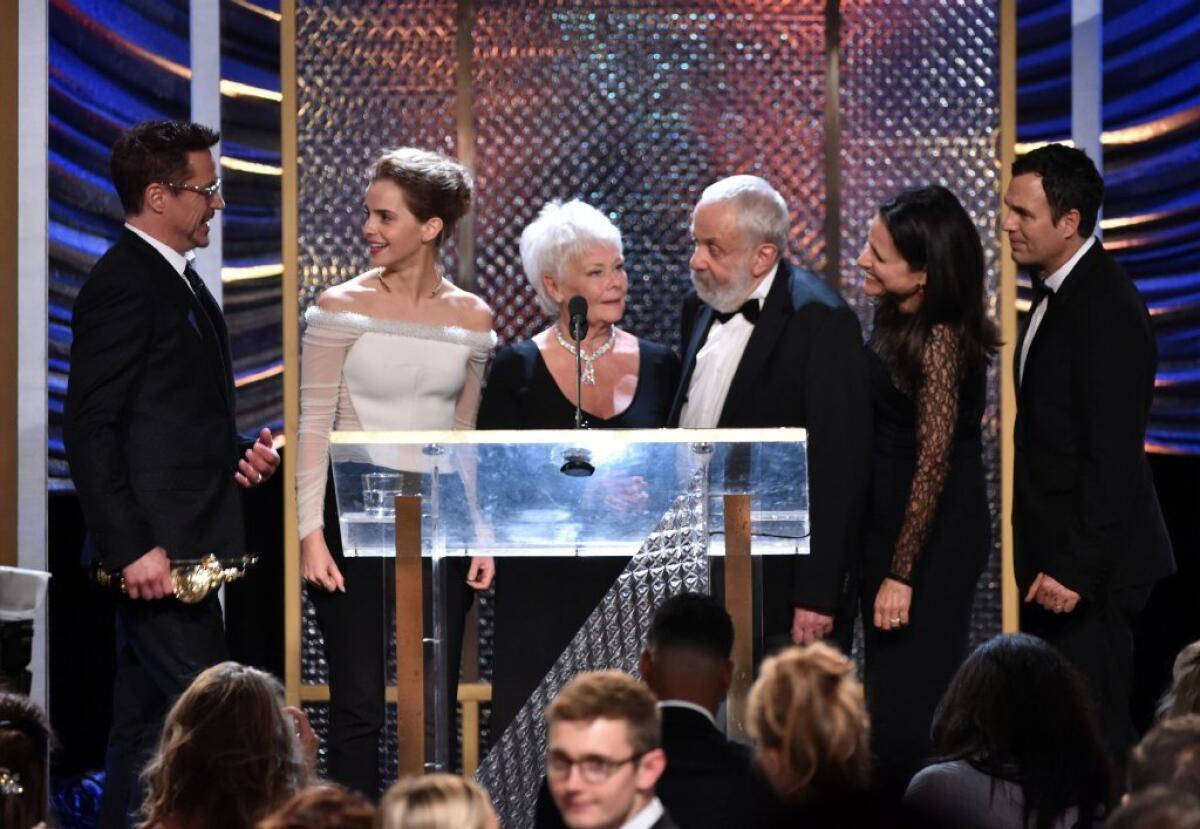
(804, 366)
(149, 421)
(1085, 510)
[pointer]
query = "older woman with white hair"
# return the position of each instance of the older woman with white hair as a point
(570, 250)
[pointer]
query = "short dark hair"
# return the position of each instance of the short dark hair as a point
(694, 621)
(1070, 181)
(154, 151)
(1169, 755)
(1052, 749)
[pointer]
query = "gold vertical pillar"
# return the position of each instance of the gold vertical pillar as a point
(739, 601)
(9, 246)
(833, 144)
(410, 634)
(465, 116)
(291, 348)
(1007, 304)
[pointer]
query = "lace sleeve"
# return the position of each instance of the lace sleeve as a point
(322, 357)
(942, 367)
(467, 407)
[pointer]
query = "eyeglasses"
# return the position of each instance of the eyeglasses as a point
(208, 192)
(593, 768)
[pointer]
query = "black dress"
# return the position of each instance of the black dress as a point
(521, 394)
(928, 522)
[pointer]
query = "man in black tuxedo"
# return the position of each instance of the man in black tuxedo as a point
(150, 434)
(768, 344)
(1089, 537)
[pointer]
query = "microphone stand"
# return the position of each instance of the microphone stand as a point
(577, 334)
(577, 460)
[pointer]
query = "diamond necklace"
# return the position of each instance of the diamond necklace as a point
(589, 370)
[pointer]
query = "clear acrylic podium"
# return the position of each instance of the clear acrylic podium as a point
(670, 499)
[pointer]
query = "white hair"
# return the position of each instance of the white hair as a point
(560, 234)
(761, 213)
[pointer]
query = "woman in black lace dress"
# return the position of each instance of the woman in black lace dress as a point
(928, 526)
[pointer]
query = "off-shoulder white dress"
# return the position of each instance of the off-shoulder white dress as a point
(366, 373)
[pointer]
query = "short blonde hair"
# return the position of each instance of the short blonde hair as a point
(435, 801)
(559, 235)
(610, 695)
(808, 706)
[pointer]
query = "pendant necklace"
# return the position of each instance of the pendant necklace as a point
(589, 370)
(437, 289)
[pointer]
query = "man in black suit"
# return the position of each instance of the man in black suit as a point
(150, 434)
(1089, 537)
(768, 344)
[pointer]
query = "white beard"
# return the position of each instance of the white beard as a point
(729, 297)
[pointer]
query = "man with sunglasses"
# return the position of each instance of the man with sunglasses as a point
(605, 754)
(150, 434)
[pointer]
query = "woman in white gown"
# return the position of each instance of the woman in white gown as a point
(397, 347)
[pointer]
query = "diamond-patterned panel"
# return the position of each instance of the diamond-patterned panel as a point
(635, 108)
(672, 560)
(921, 105)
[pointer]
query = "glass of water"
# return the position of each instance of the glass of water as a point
(379, 493)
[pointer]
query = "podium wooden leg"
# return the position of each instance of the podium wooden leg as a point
(739, 601)
(410, 637)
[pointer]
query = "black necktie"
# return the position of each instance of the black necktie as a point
(749, 310)
(1041, 290)
(211, 311)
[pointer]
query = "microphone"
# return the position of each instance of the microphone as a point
(577, 309)
(577, 463)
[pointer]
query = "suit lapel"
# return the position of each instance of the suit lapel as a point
(704, 321)
(209, 328)
(770, 326)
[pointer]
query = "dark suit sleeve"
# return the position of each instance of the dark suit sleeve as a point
(839, 459)
(1114, 358)
(111, 326)
(500, 407)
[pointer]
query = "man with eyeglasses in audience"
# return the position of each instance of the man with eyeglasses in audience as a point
(604, 757)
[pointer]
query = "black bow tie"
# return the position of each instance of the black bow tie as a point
(1041, 290)
(750, 310)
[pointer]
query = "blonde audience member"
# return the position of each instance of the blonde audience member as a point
(230, 753)
(436, 801)
(809, 720)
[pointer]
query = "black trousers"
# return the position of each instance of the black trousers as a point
(161, 646)
(1097, 638)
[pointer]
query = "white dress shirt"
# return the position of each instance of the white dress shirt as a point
(647, 817)
(716, 363)
(690, 706)
(1054, 281)
(174, 258)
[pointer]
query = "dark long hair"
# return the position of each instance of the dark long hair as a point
(933, 232)
(1016, 710)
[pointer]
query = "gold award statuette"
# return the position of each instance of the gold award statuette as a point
(193, 579)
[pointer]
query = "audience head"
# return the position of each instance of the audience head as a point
(1053, 201)
(322, 807)
(1169, 755)
(1183, 697)
(436, 801)
(808, 718)
(1050, 747)
(1157, 808)
(571, 249)
(688, 649)
(24, 762)
(415, 199)
(228, 755)
(604, 756)
(739, 233)
(167, 180)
